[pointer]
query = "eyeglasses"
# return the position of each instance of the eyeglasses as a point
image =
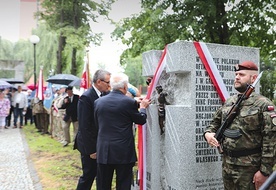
(107, 82)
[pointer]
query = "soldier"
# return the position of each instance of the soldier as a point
(53, 115)
(60, 113)
(248, 159)
(41, 116)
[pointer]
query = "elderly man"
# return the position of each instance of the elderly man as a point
(70, 104)
(114, 115)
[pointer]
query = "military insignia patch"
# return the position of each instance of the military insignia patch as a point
(274, 120)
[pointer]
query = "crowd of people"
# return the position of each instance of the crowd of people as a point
(103, 118)
(15, 108)
(71, 109)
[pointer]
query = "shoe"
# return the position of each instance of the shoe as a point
(65, 144)
(20, 127)
(6, 127)
(14, 127)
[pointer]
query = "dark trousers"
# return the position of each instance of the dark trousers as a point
(89, 169)
(8, 118)
(18, 112)
(123, 176)
(29, 116)
(42, 121)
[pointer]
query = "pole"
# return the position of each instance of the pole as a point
(269, 181)
(34, 68)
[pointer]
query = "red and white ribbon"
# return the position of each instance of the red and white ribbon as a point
(142, 129)
(212, 70)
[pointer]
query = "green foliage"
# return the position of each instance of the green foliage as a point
(246, 23)
(71, 21)
(133, 68)
(6, 49)
(24, 50)
(268, 80)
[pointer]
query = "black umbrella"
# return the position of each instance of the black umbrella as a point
(75, 83)
(62, 79)
(12, 80)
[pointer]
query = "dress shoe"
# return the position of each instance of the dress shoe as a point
(65, 144)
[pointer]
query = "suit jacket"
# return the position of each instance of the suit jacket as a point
(115, 114)
(71, 108)
(86, 138)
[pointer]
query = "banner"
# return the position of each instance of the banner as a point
(40, 90)
(48, 96)
(85, 78)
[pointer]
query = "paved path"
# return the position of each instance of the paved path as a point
(16, 169)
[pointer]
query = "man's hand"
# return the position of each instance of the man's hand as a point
(259, 179)
(144, 103)
(211, 140)
(93, 156)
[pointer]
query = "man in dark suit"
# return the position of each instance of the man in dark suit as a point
(115, 114)
(70, 104)
(86, 138)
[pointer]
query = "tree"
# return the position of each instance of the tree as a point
(133, 68)
(70, 19)
(246, 23)
(23, 50)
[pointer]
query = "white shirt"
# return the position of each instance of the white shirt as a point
(97, 91)
(21, 99)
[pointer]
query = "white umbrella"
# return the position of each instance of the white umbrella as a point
(4, 84)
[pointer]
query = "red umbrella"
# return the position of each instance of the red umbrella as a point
(31, 87)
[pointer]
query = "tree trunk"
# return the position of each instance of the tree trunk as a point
(76, 26)
(74, 62)
(61, 45)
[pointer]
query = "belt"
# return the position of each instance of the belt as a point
(240, 153)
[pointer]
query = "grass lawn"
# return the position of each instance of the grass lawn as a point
(58, 167)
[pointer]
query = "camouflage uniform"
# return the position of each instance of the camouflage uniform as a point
(53, 120)
(41, 116)
(61, 112)
(256, 122)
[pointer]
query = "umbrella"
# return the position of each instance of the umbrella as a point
(76, 82)
(12, 80)
(4, 84)
(62, 79)
(32, 87)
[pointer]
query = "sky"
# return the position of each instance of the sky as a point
(108, 53)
